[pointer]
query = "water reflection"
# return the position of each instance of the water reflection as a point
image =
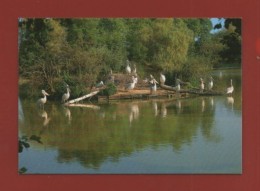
(107, 132)
(155, 108)
(43, 114)
(134, 113)
(67, 113)
(230, 101)
(163, 110)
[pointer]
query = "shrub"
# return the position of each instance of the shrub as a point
(109, 90)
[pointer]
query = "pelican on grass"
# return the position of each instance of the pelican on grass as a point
(178, 87)
(128, 69)
(153, 87)
(162, 78)
(100, 84)
(66, 96)
(201, 85)
(231, 88)
(210, 85)
(131, 85)
(43, 100)
(134, 70)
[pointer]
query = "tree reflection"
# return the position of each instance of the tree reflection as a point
(91, 140)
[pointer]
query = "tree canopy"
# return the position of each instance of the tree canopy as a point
(84, 50)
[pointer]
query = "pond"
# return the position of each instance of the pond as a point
(185, 136)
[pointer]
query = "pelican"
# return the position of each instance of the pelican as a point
(210, 86)
(153, 87)
(231, 88)
(178, 87)
(100, 84)
(43, 100)
(153, 80)
(66, 96)
(136, 79)
(131, 86)
(201, 85)
(134, 70)
(162, 78)
(128, 69)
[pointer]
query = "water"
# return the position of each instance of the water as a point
(186, 136)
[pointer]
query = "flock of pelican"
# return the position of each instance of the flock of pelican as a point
(131, 85)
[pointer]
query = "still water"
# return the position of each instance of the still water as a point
(185, 136)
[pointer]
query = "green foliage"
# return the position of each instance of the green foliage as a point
(81, 52)
(109, 90)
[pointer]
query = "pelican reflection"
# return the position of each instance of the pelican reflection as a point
(230, 101)
(155, 108)
(67, 113)
(134, 113)
(202, 105)
(43, 114)
(179, 106)
(163, 110)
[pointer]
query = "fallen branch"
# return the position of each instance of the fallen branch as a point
(210, 92)
(84, 105)
(82, 98)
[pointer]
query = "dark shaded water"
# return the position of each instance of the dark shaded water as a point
(194, 135)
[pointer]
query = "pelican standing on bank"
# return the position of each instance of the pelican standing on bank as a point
(153, 79)
(100, 84)
(131, 86)
(178, 87)
(43, 100)
(153, 87)
(134, 70)
(66, 96)
(201, 85)
(162, 78)
(231, 88)
(128, 69)
(210, 86)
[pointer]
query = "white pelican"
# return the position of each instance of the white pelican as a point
(153, 79)
(66, 96)
(43, 100)
(153, 87)
(201, 85)
(100, 84)
(210, 86)
(134, 70)
(162, 78)
(128, 69)
(231, 88)
(178, 87)
(131, 86)
(136, 79)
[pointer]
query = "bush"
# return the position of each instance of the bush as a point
(109, 90)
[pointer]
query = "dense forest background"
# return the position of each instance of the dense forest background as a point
(81, 52)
